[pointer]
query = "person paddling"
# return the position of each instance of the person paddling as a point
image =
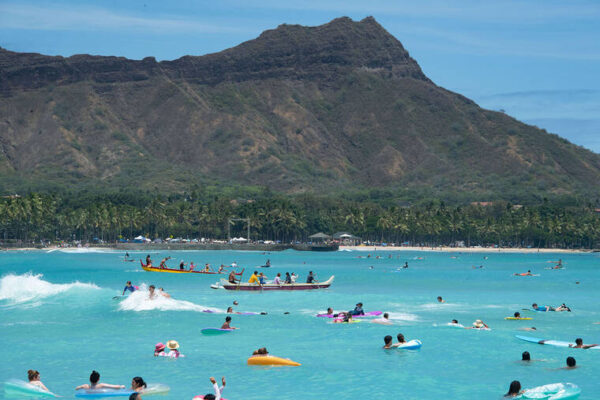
(226, 324)
(128, 287)
(579, 344)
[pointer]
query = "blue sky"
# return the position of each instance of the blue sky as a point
(538, 60)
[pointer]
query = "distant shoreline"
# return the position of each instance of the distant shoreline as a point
(446, 249)
(268, 248)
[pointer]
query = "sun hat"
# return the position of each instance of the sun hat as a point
(478, 324)
(159, 347)
(172, 344)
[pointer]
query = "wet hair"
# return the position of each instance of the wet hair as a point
(401, 338)
(229, 309)
(571, 362)
(455, 321)
(227, 319)
(386, 315)
(534, 305)
(387, 339)
(32, 374)
(209, 396)
(139, 381)
(514, 388)
(517, 314)
(94, 377)
(152, 287)
(439, 297)
(579, 341)
(235, 303)
(525, 356)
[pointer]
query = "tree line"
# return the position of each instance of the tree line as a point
(52, 217)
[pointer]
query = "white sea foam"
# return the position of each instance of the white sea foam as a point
(140, 301)
(403, 316)
(85, 250)
(29, 287)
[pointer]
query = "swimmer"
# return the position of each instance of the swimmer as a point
(151, 294)
(514, 390)
(159, 350)
(517, 315)
(405, 264)
(164, 294)
(401, 340)
(94, 378)
(385, 320)
(34, 379)
(388, 342)
(525, 356)
(218, 391)
(528, 273)
(533, 328)
(138, 385)
(563, 307)
(358, 310)
(173, 346)
(329, 311)
(226, 323)
(542, 308)
(479, 324)
(260, 352)
(571, 363)
(235, 303)
(440, 300)
(579, 344)
(128, 287)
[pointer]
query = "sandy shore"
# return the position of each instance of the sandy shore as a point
(460, 249)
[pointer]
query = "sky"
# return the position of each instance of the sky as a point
(538, 60)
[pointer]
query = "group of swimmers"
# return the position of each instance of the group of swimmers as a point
(571, 363)
(137, 384)
(388, 341)
(172, 345)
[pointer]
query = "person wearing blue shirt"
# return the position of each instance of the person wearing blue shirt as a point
(129, 287)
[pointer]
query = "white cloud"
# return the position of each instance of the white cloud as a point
(87, 18)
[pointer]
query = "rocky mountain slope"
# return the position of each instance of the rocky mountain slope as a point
(336, 107)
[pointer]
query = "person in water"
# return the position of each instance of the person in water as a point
(542, 308)
(454, 321)
(563, 307)
(401, 340)
(440, 300)
(33, 377)
(218, 390)
(388, 342)
(164, 294)
(137, 385)
(232, 278)
(173, 346)
(517, 315)
(310, 278)
(579, 344)
(571, 363)
(358, 310)
(254, 278)
(226, 324)
(159, 350)
(479, 324)
(151, 294)
(128, 287)
(268, 263)
(514, 389)
(94, 378)
(525, 356)
(385, 320)
(405, 264)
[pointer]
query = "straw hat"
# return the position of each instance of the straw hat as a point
(172, 344)
(476, 324)
(159, 347)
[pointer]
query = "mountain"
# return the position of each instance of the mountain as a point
(333, 108)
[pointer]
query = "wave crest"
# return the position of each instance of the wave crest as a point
(29, 287)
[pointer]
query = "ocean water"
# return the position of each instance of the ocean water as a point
(58, 315)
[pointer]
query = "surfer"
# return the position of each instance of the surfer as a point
(164, 294)
(528, 273)
(388, 342)
(542, 308)
(579, 344)
(34, 379)
(128, 287)
(94, 378)
(440, 300)
(563, 307)
(517, 315)
(267, 264)
(358, 310)
(405, 264)
(151, 294)
(514, 390)
(385, 320)
(226, 323)
(218, 391)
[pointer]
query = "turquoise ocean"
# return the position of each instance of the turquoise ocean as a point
(58, 316)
